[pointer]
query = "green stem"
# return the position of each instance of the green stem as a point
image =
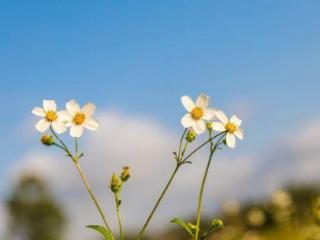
(94, 199)
(158, 202)
(213, 148)
(62, 143)
(202, 145)
(179, 164)
(83, 177)
(117, 200)
(76, 146)
(180, 144)
(201, 195)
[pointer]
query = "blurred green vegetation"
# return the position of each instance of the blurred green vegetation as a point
(289, 214)
(33, 212)
(292, 213)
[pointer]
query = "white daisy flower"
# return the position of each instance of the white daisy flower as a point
(198, 113)
(50, 117)
(81, 118)
(232, 127)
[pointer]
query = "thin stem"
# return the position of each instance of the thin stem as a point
(83, 177)
(201, 146)
(59, 146)
(76, 146)
(180, 143)
(117, 200)
(179, 164)
(158, 202)
(201, 191)
(62, 143)
(213, 148)
(184, 150)
(96, 203)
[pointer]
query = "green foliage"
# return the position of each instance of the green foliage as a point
(33, 213)
(297, 219)
(102, 230)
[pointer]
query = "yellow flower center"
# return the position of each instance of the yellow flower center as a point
(197, 113)
(51, 116)
(231, 127)
(79, 118)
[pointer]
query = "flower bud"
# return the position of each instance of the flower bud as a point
(125, 174)
(115, 183)
(217, 223)
(209, 126)
(191, 135)
(47, 140)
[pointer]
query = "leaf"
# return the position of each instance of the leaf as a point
(183, 224)
(101, 229)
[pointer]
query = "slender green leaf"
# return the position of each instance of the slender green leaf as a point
(102, 230)
(184, 225)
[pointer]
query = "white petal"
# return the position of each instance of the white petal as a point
(88, 109)
(187, 103)
(187, 120)
(202, 101)
(49, 105)
(208, 114)
(69, 123)
(234, 119)
(222, 117)
(64, 116)
(199, 126)
(73, 107)
(239, 133)
(42, 125)
(218, 126)
(76, 131)
(39, 112)
(59, 127)
(231, 140)
(91, 124)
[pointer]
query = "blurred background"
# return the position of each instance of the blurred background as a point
(134, 60)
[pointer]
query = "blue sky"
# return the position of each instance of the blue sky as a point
(141, 56)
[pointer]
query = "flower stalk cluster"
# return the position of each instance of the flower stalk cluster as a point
(116, 184)
(200, 118)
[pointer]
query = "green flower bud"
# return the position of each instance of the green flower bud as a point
(47, 140)
(209, 126)
(217, 223)
(115, 183)
(125, 174)
(191, 135)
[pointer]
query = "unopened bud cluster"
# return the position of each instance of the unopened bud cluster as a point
(117, 181)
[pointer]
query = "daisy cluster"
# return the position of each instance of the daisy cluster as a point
(74, 117)
(201, 117)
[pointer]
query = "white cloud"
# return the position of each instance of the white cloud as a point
(147, 147)
(3, 223)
